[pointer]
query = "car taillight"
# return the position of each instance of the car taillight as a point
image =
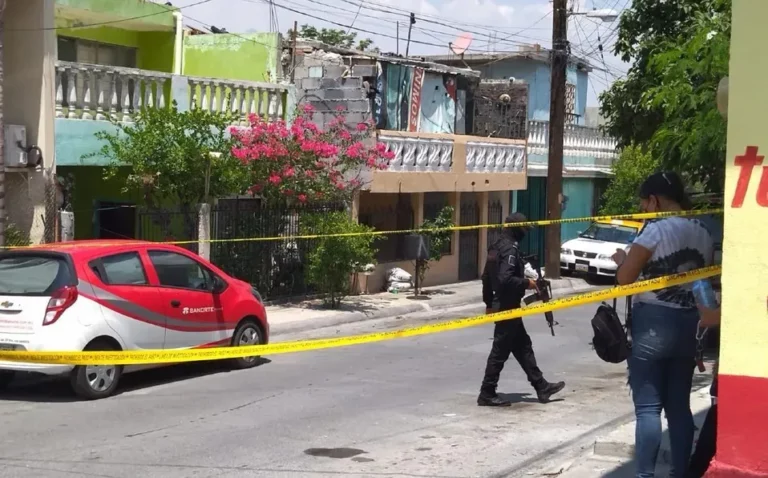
(60, 301)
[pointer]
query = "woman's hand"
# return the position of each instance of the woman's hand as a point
(619, 256)
(709, 317)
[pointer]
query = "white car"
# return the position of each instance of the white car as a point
(591, 252)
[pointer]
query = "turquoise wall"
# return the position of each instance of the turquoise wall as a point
(581, 195)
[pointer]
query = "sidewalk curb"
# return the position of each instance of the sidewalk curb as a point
(390, 312)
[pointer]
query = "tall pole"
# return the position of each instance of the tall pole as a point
(293, 51)
(397, 50)
(559, 63)
(2, 128)
(410, 27)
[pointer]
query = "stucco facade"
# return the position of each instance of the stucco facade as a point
(30, 49)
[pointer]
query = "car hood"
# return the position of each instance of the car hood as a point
(591, 245)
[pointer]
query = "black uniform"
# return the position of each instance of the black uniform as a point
(504, 285)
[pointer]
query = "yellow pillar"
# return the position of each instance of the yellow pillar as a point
(742, 412)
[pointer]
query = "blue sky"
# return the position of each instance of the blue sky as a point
(495, 25)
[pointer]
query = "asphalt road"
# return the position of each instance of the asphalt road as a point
(402, 408)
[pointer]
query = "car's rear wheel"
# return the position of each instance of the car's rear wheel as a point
(247, 333)
(6, 377)
(93, 382)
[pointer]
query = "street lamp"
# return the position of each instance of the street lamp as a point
(559, 66)
(603, 14)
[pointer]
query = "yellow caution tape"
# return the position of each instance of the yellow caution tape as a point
(544, 222)
(135, 357)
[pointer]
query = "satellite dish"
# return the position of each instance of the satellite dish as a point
(461, 44)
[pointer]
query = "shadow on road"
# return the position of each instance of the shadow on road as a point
(41, 389)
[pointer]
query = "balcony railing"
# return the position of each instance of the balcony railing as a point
(581, 144)
(86, 91)
(450, 163)
(423, 153)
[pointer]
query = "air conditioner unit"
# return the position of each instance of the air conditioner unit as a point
(15, 156)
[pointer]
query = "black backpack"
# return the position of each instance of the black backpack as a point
(611, 341)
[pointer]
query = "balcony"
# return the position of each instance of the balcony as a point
(89, 92)
(87, 96)
(426, 162)
(586, 150)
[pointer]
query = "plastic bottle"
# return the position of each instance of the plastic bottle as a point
(705, 295)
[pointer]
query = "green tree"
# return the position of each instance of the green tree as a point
(629, 171)
(333, 260)
(334, 37)
(679, 53)
(438, 234)
(166, 154)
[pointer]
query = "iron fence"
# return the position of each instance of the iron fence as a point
(177, 224)
(276, 268)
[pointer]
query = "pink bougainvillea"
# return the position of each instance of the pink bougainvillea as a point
(302, 161)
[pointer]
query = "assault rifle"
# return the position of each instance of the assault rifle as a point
(544, 293)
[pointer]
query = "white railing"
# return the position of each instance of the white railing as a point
(418, 154)
(488, 157)
(578, 142)
(86, 91)
(242, 98)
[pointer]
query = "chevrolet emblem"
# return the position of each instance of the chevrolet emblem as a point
(6, 304)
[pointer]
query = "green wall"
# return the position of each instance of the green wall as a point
(154, 49)
(247, 57)
(99, 11)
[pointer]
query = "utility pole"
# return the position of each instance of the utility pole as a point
(2, 129)
(397, 50)
(558, 66)
(293, 51)
(410, 27)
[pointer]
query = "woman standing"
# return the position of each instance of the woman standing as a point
(664, 322)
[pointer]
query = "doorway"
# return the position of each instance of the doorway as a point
(115, 220)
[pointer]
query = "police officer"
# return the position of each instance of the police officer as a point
(504, 285)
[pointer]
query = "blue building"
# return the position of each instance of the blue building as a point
(588, 153)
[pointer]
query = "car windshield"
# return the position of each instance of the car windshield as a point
(610, 233)
(32, 275)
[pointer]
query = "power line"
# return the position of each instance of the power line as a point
(110, 22)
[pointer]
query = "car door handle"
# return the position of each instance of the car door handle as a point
(175, 303)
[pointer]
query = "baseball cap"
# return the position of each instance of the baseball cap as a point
(666, 184)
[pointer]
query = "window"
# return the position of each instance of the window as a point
(84, 51)
(33, 275)
(177, 270)
(120, 269)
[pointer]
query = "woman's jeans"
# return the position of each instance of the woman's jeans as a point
(661, 375)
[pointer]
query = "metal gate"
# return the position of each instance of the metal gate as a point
(494, 217)
(533, 203)
(469, 242)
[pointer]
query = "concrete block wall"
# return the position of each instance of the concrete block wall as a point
(326, 83)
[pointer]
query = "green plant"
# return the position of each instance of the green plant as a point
(629, 171)
(438, 233)
(166, 153)
(333, 260)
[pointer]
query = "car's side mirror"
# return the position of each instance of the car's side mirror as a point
(218, 285)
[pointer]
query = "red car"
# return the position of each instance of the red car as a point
(119, 295)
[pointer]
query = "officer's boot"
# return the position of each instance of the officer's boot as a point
(489, 398)
(546, 392)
